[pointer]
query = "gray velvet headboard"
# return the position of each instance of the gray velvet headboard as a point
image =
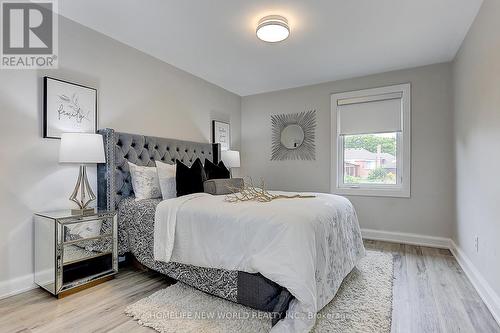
(113, 178)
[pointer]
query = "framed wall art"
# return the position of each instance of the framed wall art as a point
(221, 133)
(68, 107)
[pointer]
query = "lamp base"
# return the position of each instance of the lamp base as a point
(82, 188)
(83, 212)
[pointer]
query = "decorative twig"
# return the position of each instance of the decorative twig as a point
(252, 193)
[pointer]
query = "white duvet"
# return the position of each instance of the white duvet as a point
(305, 245)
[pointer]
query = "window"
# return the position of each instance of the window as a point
(373, 142)
(370, 159)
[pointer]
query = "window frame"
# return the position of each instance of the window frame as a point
(403, 143)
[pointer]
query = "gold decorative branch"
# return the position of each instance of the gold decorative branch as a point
(259, 194)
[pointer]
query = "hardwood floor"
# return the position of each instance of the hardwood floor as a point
(431, 294)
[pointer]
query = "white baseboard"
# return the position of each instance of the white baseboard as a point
(406, 238)
(483, 288)
(16, 286)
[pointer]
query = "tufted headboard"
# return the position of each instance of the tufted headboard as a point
(113, 178)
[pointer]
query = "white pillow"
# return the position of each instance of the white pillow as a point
(166, 175)
(144, 182)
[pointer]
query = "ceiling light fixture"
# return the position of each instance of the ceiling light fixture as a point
(273, 28)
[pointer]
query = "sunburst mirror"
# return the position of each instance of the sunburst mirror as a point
(294, 136)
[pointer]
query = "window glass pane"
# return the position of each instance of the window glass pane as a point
(370, 159)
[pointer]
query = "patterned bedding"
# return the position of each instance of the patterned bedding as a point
(135, 235)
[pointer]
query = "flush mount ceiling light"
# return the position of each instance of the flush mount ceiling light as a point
(273, 28)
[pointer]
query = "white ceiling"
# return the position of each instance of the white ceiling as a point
(329, 40)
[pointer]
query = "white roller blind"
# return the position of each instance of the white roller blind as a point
(370, 114)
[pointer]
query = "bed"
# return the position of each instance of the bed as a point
(249, 287)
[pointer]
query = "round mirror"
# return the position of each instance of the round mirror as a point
(292, 136)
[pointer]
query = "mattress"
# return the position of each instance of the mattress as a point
(135, 236)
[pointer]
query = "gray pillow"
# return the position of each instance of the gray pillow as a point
(223, 186)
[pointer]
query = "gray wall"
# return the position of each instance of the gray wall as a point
(477, 136)
(429, 211)
(137, 93)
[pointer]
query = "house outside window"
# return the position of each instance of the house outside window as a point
(371, 131)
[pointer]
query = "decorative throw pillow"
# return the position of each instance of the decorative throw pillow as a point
(223, 186)
(216, 171)
(144, 182)
(166, 176)
(189, 179)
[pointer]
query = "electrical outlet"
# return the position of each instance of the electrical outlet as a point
(476, 244)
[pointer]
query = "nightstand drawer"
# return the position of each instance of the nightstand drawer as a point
(75, 273)
(86, 249)
(87, 229)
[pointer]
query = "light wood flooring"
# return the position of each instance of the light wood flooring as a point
(431, 294)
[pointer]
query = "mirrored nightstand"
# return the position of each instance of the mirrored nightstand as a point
(74, 252)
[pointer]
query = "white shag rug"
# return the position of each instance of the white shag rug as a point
(362, 304)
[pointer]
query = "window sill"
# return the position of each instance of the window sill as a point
(373, 192)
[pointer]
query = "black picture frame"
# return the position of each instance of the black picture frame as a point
(45, 120)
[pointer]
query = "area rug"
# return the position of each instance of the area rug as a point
(362, 304)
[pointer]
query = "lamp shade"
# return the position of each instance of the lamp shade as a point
(231, 158)
(81, 148)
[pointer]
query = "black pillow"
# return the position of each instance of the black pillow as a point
(216, 171)
(189, 179)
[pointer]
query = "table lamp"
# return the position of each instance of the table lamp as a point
(231, 159)
(82, 149)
